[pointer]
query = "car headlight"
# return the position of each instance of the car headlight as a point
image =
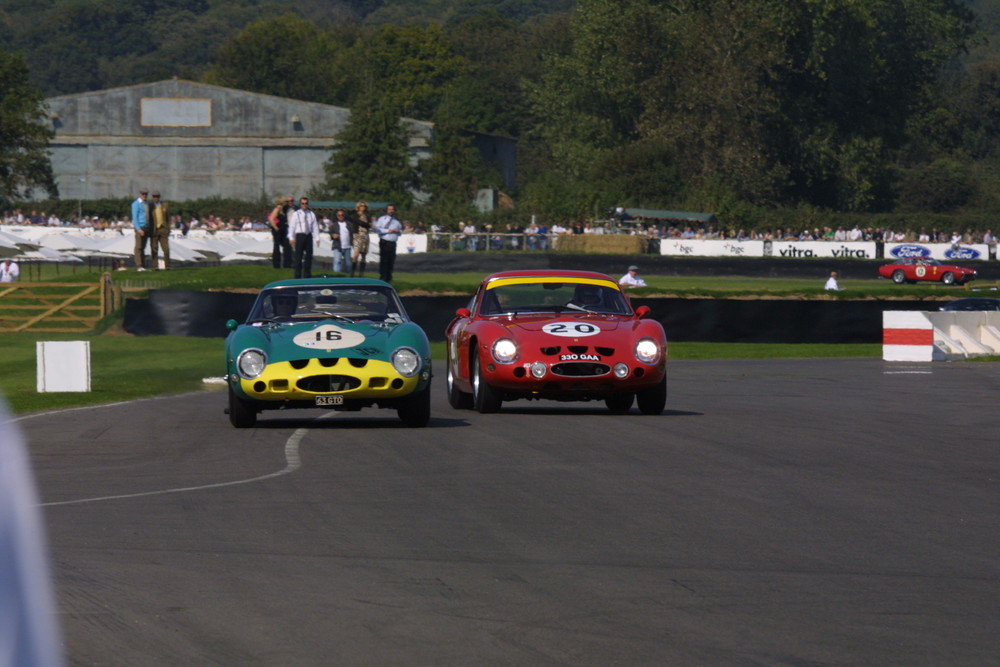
(406, 361)
(504, 350)
(647, 351)
(251, 362)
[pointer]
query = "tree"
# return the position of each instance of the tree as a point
(715, 101)
(286, 57)
(488, 96)
(781, 102)
(589, 100)
(24, 134)
(372, 157)
(857, 74)
(454, 170)
(410, 63)
(943, 185)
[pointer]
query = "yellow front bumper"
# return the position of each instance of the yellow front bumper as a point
(376, 380)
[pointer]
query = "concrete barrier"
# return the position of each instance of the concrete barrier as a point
(939, 336)
(62, 365)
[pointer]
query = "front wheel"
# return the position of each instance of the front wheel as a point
(241, 413)
(484, 397)
(415, 410)
(898, 277)
(652, 401)
(457, 398)
(620, 403)
(948, 278)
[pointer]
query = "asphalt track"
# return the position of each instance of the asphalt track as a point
(795, 512)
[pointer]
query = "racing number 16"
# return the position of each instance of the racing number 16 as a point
(329, 334)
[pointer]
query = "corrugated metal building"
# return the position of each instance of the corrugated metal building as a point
(192, 140)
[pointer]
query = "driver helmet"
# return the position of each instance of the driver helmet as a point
(284, 303)
(588, 295)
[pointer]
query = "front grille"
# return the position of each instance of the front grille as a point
(322, 384)
(580, 369)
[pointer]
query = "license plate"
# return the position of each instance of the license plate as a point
(330, 400)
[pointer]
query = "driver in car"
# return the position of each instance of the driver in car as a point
(284, 305)
(587, 296)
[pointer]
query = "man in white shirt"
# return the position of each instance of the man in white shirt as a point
(303, 229)
(469, 234)
(9, 271)
(831, 282)
(342, 236)
(632, 279)
(388, 228)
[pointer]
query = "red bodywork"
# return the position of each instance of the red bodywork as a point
(912, 269)
(578, 350)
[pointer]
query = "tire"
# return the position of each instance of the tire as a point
(948, 278)
(457, 398)
(652, 401)
(415, 411)
(485, 398)
(620, 403)
(241, 413)
(898, 277)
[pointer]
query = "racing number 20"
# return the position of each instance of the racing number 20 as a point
(571, 329)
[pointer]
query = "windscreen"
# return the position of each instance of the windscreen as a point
(555, 295)
(372, 303)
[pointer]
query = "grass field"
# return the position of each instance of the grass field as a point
(254, 276)
(125, 367)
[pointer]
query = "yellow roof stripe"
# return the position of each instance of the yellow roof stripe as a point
(535, 280)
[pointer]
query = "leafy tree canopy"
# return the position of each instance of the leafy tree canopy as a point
(24, 134)
(372, 159)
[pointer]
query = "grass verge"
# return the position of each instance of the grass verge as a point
(127, 367)
(253, 277)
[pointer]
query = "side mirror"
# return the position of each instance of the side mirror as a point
(463, 312)
(232, 324)
(642, 311)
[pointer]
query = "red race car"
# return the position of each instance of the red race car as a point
(557, 335)
(912, 269)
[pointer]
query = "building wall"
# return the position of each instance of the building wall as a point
(192, 140)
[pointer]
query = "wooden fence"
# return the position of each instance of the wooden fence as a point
(59, 307)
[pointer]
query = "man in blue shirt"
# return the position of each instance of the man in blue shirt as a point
(388, 228)
(140, 223)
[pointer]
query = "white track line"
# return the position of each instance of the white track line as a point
(292, 463)
(292, 459)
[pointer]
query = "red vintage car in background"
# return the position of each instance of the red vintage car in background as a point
(557, 335)
(912, 269)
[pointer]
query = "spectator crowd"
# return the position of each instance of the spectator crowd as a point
(540, 236)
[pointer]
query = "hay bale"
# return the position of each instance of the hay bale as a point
(608, 244)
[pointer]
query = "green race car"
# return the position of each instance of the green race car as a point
(334, 343)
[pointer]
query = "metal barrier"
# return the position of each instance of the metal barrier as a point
(489, 241)
(979, 285)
